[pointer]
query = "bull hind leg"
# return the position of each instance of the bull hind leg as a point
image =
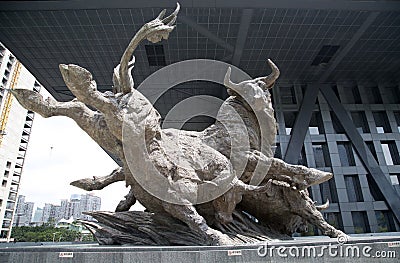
(189, 215)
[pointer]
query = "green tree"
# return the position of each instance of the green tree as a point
(44, 234)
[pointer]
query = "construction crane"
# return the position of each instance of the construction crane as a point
(8, 101)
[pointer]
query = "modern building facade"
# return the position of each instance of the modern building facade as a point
(72, 208)
(357, 205)
(23, 212)
(37, 217)
(336, 101)
(15, 128)
(89, 202)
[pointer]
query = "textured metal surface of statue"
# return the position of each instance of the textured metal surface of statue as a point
(225, 188)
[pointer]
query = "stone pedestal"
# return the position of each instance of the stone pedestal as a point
(305, 249)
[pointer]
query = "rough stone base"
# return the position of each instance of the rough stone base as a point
(388, 245)
(142, 228)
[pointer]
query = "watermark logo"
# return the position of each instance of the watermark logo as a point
(342, 239)
(330, 250)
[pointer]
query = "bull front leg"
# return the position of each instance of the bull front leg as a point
(225, 204)
(189, 215)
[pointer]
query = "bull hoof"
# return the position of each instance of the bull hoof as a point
(338, 234)
(217, 238)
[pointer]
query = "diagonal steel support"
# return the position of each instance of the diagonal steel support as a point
(300, 127)
(205, 32)
(245, 20)
(303, 118)
(392, 199)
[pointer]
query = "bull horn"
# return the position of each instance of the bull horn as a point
(227, 80)
(324, 206)
(169, 20)
(162, 14)
(271, 78)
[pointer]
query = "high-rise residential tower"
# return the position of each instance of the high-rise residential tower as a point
(23, 212)
(15, 128)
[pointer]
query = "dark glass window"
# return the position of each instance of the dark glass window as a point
(373, 95)
(310, 193)
(352, 95)
(393, 94)
(316, 124)
(335, 89)
(321, 155)
(328, 191)
(334, 219)
(397, 117)
(288, 95)
(385, 221)
(8, 215)
(374, 189)
(390, 152)
(6, 224)
(302, 158)
(290, 118)
(381, 122)
(353, 188)
(3, 234)
(371, 147)
(356, 95)
(360, 121)
(12, 196)
(337, 126)
(346, 154)
(278, 152)
(360, 221)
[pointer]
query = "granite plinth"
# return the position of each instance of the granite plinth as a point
(360, 248)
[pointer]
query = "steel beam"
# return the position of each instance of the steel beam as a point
(303, 118)
(300, 127)
(205, 32)
(245, 20)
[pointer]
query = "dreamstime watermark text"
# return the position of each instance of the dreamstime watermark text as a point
(330, 250)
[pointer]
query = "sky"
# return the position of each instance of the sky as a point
(59, 152)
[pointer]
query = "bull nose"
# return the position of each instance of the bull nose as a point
(224, 218)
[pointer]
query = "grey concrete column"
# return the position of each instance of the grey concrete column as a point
(392, 199)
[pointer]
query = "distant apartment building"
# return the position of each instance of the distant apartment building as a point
(89, 202)
(23, 213)
(69, 208)
(38, 216)
(15, 129)
(51, 213)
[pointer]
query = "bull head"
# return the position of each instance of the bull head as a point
(253, 91)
